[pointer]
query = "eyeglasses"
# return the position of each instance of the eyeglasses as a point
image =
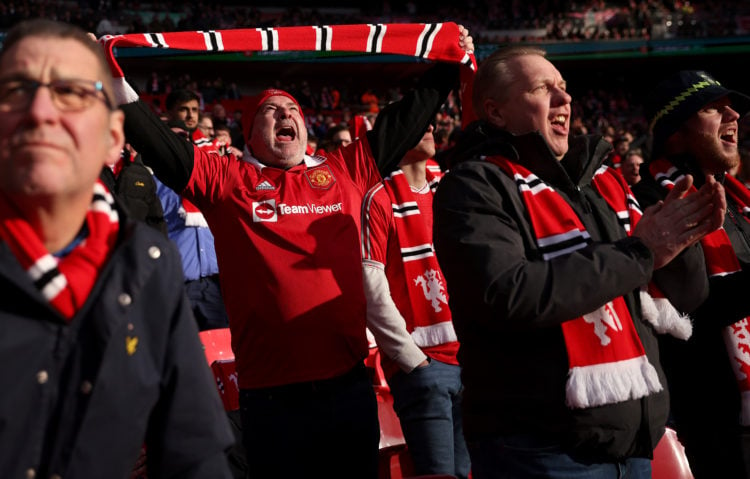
(69, 95)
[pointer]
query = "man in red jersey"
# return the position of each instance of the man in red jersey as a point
(286, 227)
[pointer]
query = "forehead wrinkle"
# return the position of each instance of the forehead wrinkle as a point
(51, 63)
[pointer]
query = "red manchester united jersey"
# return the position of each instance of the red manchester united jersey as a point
(294, 295)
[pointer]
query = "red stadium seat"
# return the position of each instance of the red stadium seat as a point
(390, 427)
(225, 374)
(217, 344)
(372, 362)
(670, 461)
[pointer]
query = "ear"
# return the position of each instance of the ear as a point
(494, 113)
(116, 135)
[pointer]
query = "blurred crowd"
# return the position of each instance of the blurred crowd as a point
(490, 20)
(613, 112)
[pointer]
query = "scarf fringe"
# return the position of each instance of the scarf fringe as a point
(665, 318)
(609, 383)
(193, 218)
(434, 335)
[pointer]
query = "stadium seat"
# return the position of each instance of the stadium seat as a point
(669, 460)
(390, 427)
(217, 344)
(372, 362)
(225, 375)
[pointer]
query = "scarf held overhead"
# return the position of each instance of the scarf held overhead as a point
(721, 260)
(425, 282)
(65, 282)
(437, 42)
(607, 362)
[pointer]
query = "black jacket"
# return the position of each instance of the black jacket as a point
(508, 303)
(705, 397)
(135, 189)
(80, 399)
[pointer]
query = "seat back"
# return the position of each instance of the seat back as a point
(217, 344)
(372, 362)
(669, 460)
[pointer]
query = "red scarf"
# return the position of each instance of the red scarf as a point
(437, 42)
(607, 362)
(721, 260)
(425, 282)
(65, 282)
(188, 211)
(191, 214)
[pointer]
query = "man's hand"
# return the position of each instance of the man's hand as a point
(464, 39)
(681, 220)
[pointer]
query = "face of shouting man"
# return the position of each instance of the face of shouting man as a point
(278, 136)
(532, 98)
(711, 136)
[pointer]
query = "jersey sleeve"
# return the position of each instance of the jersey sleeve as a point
(377, 225)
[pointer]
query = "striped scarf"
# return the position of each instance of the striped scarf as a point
(65, 282)
(188, 211)
(606, 360)
(432, 324)
(429, 41)
(721, 260)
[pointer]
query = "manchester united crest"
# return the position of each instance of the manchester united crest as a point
(321, 177)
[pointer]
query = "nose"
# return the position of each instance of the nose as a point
(730, 114)
(563, 96)
(42, 106)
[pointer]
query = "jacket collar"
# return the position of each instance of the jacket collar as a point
(585, 155)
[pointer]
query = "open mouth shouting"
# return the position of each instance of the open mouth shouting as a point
(729, 136)
(559, 123)
(286, 133)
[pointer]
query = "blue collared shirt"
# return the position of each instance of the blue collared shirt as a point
(196, 243)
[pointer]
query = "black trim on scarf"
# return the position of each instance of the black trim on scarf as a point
(372, 47)
(156, 40)
(431, 32)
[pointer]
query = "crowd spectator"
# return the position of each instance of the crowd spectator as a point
(694, 133)
(206, 125)
(296, 403)
(561, 413)
(187, 226)
(336, 137)
(105, 354)
(408, 314)
(630, 167)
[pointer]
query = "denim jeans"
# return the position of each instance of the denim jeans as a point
(526, 457)
(428, 403)
(325, 428)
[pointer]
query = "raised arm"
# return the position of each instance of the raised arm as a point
(169, 155)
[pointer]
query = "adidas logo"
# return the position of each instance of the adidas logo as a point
(264, 185)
